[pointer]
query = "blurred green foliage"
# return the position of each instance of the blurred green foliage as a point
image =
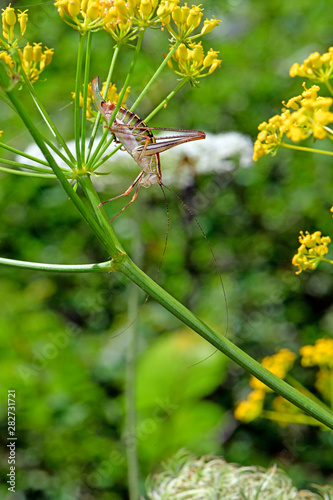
(62, 340)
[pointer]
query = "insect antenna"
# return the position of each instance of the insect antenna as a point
(212, 254)
(159, 266)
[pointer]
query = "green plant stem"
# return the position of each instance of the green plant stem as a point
(155, 75)
(22, 153)
(105, 234)
(122, 263)
(59, 153)
(85, 95)
(165, 101)
(79, 65)
(295, 383)
(26, 174)
(91, 162)
(328, 85)
(45, 171)
(127, 267)
(108, 81)
(46, 117)
(307, 150)
(98, 160)
(101, 267)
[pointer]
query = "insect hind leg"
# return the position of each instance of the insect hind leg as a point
(125, 193)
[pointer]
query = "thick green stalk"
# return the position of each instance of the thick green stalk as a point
(107, 238)
(79, 65)
(127, 267)
(101, 267)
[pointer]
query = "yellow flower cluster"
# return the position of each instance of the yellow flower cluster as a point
(32, 59)
(250, 408)
(122, 19)
(312, 250)
(279, 364)
(316, 67)
(309, 117)
(111, 96)
(193, 63)
(320, 354)
(184, 20)
(9, 23)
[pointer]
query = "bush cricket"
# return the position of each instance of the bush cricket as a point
(139, 141)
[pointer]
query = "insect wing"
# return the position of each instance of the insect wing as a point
(165, 143)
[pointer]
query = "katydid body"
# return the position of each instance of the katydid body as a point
(139, 141)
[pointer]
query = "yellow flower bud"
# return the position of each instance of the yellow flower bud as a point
(177, 16)
(48, 53)
(74, 7)
(182, 52)
(198, 53)
(166, 20)
(194, 17)
(146, 8)
(93, 10)
(84, 5)
(62, 7)
(23, 18)
(9, 15)
(210, 58)
(162, 10)
(1, 132)
(37, 52)
(214, 65)
(5, 28)
(133, 3)
(122, 9)
(209, 25)
(111, 16)
(28, 53)
(185, 13)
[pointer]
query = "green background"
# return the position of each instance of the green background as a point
(63, 338)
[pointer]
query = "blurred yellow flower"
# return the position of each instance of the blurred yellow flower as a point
(312, 250)
(279, 364)
(309, 117)
(251, 408)
(316, 67)
(320, 354)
